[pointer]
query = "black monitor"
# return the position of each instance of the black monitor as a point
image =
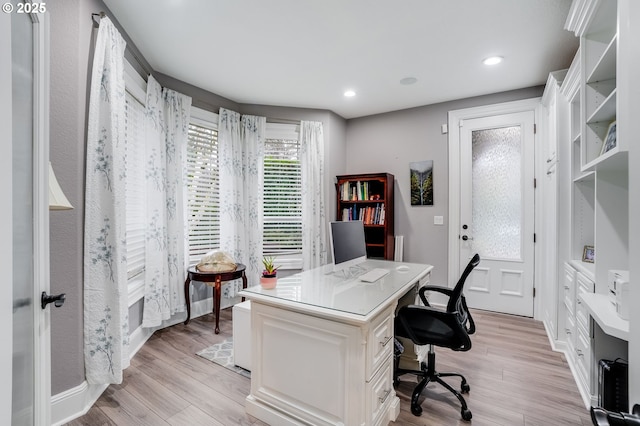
(347, 244)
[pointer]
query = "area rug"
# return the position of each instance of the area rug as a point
(222, 354)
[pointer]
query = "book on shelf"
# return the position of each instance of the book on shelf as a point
(354, 191)
(369, 215)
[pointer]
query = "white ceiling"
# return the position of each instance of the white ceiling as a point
(307, 53)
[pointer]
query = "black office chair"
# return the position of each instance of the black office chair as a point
(602, 417)
(425, 325)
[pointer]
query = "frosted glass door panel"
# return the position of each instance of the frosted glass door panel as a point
(497, 192)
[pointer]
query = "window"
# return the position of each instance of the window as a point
(135, 200)
(282, 196)
(202, 181)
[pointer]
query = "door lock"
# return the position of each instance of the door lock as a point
(465, 238)
(57, 300)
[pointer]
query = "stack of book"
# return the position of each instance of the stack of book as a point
(369, 215)
(357, 191)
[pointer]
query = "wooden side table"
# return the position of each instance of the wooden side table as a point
(215, 280)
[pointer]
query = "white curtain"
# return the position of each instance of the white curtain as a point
(106, 319)
(314, 226)
(241, 157)
(166, 129)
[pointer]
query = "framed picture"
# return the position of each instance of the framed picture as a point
(610, 140)
(588, 254)
(421, 177)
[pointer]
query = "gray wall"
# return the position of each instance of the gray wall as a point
(71, 39)
(389, 142)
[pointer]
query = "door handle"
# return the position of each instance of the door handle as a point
(465, 238)
(57, 300)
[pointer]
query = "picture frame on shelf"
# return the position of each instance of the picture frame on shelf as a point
(588, 254)
(610, 140)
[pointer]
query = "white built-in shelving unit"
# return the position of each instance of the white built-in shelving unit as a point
(593, 198)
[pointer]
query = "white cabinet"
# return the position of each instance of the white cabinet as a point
(593, 187)
(576, 336)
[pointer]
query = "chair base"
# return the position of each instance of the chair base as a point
(428, 374)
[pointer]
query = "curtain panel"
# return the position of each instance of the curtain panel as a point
(314, 226)
(166, 129)
(106, 309)
(241, 158)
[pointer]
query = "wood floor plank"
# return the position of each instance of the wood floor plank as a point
(515, 378)
(193, 416)
(125, 409)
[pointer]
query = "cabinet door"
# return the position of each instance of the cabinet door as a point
(569, 288)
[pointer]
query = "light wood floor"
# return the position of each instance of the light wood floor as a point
(514, 376)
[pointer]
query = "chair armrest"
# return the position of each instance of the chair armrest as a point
(444, 290)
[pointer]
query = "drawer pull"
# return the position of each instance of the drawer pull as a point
(566, 330)
(579, 352)
(384, 397)
(567, 287)
(386, 341)
(579, 302)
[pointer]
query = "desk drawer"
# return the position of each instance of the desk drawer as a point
(380, 393)
(380, 342)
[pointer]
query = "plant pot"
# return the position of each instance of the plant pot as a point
(268, 282)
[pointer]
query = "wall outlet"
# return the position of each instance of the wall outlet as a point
(438, 220)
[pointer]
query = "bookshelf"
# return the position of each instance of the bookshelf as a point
(369, 197)
(594, 196)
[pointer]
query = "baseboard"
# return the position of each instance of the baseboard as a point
(77, 401)
(556, 345)
(560, 346)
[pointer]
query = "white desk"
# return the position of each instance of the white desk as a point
(322, 347)
(603, 312)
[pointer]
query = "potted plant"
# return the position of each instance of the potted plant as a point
(268, 279)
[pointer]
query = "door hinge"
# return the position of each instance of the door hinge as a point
(535, 128)
(534, 292)
(535, 183)
(534, 237)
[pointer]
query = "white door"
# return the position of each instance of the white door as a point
(24, 243)
(497, 211)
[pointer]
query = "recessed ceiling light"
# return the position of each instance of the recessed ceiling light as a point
(492, 60)
(408, 80)
(349, 94)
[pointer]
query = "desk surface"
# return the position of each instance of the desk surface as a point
(603, 312)
(340, 291)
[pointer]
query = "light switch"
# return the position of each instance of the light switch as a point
(438, 220)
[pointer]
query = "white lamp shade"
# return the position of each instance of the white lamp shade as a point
(57, 199)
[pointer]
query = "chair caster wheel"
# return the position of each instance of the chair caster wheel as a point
(465, 388)
(466, 415)
(416, 410)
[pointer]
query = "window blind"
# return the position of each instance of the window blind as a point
(203, 191)
(135, 200)
(282, 197)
